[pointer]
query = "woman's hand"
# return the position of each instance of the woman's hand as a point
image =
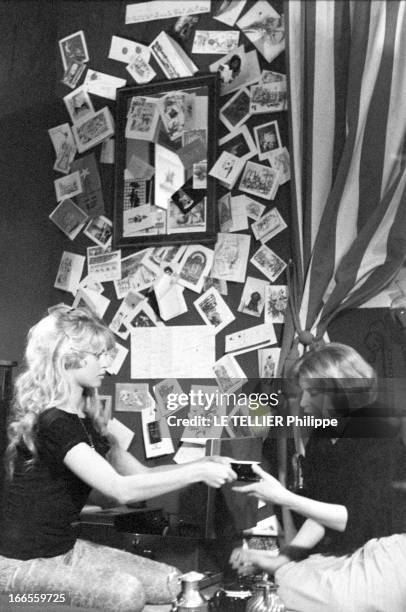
(268, 489)
(247, 561)
(216, 474)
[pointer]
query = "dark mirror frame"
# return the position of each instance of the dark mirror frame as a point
(211, 81)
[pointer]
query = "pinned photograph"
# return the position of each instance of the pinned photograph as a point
(237, 110)
(220, 285)
(280, 160)
(140, 70)
(213, 309)
(253, 297)
(136, 275)
(227, 169)
(73, 49)
(215, 41)
(132, 397)
(91, 199)
(224, 213)
(93, 130)
(268, 226)
(105, 266)
(239, 143)
(142, 119)
(125, 313)
(78, 104)
(99, 229)
(192, 221)
(268, 361)
(189, 135)
(144, 317)
(184, 27)
(268, 263)
(69, 272)
(186, 197)
(69, 218)
(68, 186)
(268, 97)
(270, 76)
(137, 219)
(162, 391)
(195, 266)
(267, 138)
(259, 180)
(171, 58)
(228, 11)
(276, 303)
(265, 28)
(229, 374)
(162, 256)
(237, 69)
(122, 49)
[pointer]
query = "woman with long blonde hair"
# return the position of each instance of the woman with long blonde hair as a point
(60, 448)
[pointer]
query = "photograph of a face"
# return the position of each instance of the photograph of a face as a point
(73, 49)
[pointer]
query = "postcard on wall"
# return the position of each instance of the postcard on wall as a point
(68, 186)
(215, 41)
(253, 296)
(269, 225)
(93, 130)
(236, 110)
(276, 303)
(91, 199)
(155, 432)
(237, 69)
(169, 175)
(228, 12)
(161, 9)
(231, 257)
(136, 275)
(200, 175)
(99, 229)
(254, 209)
(132, 397)
(232, 216)
(121, 354)
(195, 265)
(267, 138)
(78, 104)
(69, 218)
(171, 58)
(239, 143)
(268, 362)
(265, 28)
(177, 111)
(106, 266)
(163, 392)
(122, 49)
(90, 283)
(259, 180)
(125, 314)
(268, 263)
(213, 309)
(69, 272)
(92, 300)
(227, 169)
(102, 84)
(142, 119)
(280, 160)
(73, 74)
(229, 375)
(268, 97)
(65, 148)
(140, 70)
(156, 353)
(250, 337)
(143, 316)
(73, 49)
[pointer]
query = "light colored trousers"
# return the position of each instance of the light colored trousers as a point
(372, 579)
(94, 576)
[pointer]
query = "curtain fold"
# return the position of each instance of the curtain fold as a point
(347, 87)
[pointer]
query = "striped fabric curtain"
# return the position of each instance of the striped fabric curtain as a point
(347, 80)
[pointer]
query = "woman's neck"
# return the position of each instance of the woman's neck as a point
(76, 403)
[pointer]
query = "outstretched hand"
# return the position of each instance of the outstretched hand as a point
(248, 560)
(268, 489)
(216, 471)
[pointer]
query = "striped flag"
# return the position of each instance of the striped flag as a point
(347, 88)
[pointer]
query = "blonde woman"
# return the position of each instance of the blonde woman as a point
(345, 557)
(59, 449)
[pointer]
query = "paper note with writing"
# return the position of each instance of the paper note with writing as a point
(172, 352)
(162, 9)
(250, 337)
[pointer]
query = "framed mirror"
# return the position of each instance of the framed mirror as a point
(165, 143)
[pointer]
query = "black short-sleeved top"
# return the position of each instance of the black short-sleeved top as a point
(356, 471)
(42, 501)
